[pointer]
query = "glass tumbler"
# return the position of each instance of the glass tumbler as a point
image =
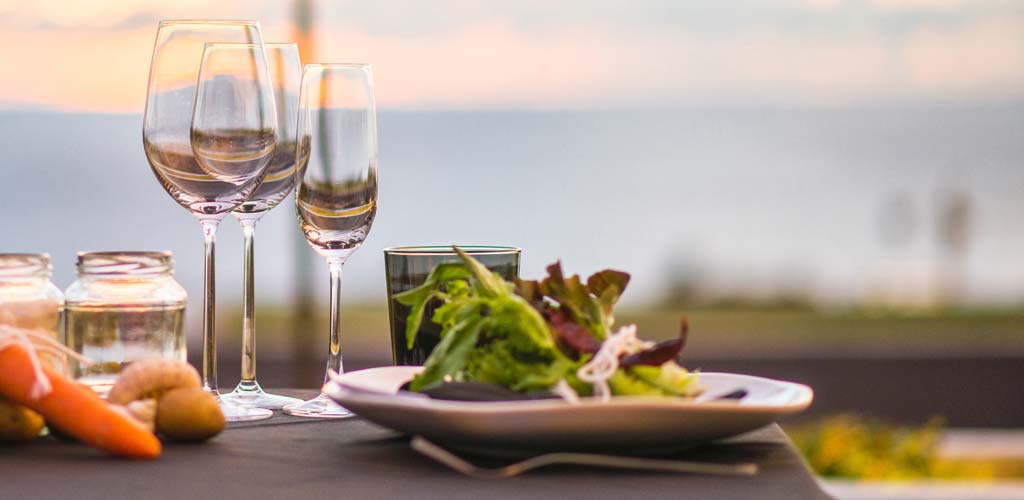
(408, 268)
(124, 307)
(28, 299)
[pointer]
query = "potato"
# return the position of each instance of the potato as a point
(17, 423)
(188, 415)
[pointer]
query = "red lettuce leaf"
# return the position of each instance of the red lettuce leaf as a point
(602, 280)
(660, 353)
(529, 290)
(574, 336)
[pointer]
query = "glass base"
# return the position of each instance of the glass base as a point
(318, 407)
(237, 413)
(258, 398)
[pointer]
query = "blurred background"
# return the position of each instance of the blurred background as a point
(829, 188)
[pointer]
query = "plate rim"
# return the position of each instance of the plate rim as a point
(337, 390)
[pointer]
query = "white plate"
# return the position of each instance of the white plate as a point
(639, 424)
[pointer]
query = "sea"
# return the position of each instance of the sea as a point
(901, 206)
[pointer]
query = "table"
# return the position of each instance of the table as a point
(290, 457)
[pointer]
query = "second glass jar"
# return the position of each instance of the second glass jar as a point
(124, 307)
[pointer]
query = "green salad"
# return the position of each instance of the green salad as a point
(556, 335)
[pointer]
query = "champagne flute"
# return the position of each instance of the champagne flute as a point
(285, 73)
(167, 139)
(336, 187)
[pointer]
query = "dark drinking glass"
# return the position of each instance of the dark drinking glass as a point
(408, 268)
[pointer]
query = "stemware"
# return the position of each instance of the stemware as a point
(285, 72)
(211, 188)
(336, 187)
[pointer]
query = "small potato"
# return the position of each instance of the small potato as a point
(188, 415)
(17, 423)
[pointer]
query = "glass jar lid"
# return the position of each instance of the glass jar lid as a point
(125, 264)
(25, 265)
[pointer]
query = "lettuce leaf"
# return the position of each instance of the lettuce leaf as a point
(670, 378)
(451, 352)
(417, 298)
(488, 332)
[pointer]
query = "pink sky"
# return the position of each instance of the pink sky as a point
(94, 56)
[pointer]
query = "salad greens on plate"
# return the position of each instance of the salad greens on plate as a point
(555, 335)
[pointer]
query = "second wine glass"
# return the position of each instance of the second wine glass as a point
(336, 190)
(234, 128)
(285, 72)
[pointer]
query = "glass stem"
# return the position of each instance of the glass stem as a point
(248, 382)
(334, 358)
(209, 308)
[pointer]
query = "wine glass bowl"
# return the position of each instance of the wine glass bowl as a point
(285, 72)
(234, 124)
(336, 187)
(167, 122)
(336, 194)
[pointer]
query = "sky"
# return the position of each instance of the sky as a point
(93, 55)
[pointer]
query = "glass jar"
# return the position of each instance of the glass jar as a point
(124, 307)
(28, 299)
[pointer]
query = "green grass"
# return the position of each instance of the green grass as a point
(802, 330)
(721, 332)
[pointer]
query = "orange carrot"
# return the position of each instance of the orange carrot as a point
(73, 408)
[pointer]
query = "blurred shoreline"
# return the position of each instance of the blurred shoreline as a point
(887, 206)
(715, 333)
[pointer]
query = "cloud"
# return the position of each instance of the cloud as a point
(78, 70)
(918, 5)
(93, 14)
(97, 15)
(987, 57)
(493, 64)
(544, 55)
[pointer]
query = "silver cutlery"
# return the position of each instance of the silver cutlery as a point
(431, 450)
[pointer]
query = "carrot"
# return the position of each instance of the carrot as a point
(73, 408)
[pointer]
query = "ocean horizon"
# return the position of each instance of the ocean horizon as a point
(840, 206)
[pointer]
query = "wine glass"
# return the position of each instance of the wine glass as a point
(285, 72)
(167, 134)
(336, 187)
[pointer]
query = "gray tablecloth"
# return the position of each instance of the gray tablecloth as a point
(288, 457)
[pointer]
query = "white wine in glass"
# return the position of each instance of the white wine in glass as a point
(336, 191)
